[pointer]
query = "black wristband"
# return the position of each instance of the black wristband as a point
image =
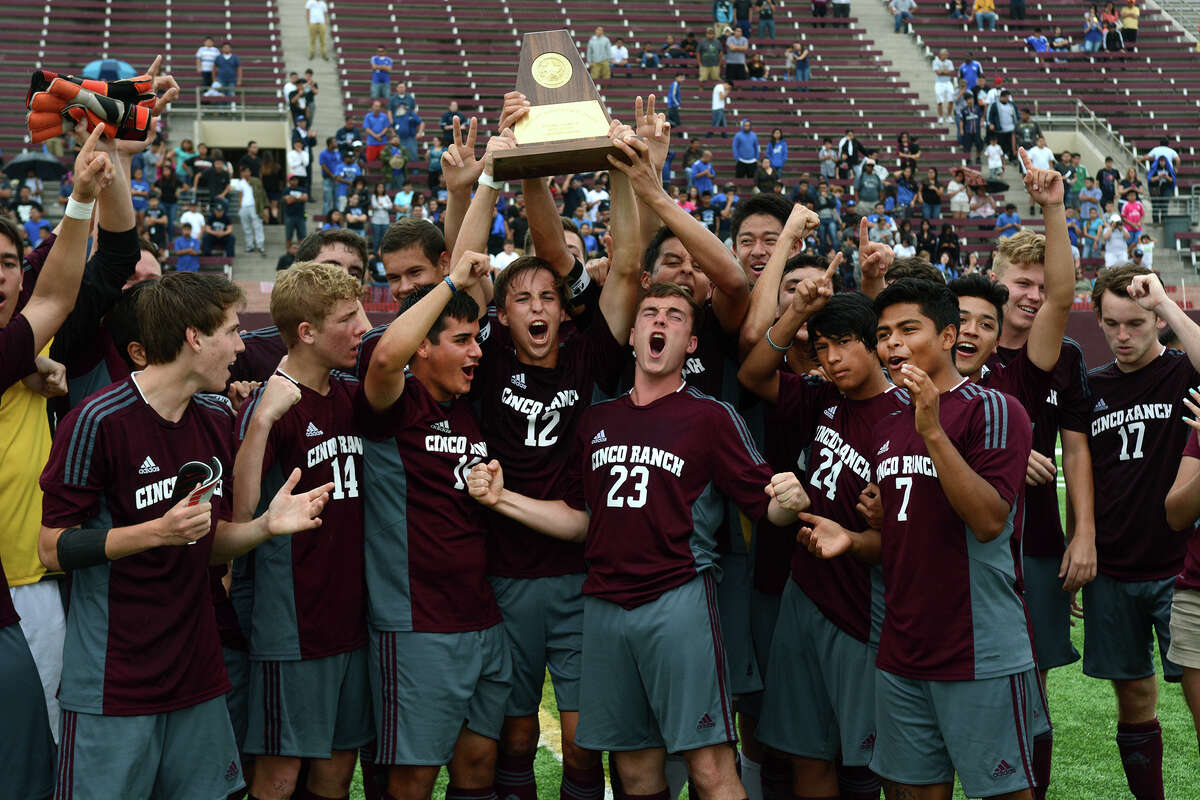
(578, 279)
(81, 547)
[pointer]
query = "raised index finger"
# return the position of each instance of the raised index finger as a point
(472, 128)
(863, 231)
(834, 263)
(154, 67)
(638, 109)
(89, 146)
(1025, 159)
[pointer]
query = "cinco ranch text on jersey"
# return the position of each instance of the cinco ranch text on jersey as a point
(637, 454)
(347, 445)
(1132, 414)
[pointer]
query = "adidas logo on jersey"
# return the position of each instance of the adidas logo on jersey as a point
(705, 723)
(148, 466)
(313, 430)
(518, 380)
(868, 742)
(599, 438)
(831, 412)
(232, 771)
(1101, 405)
(1003, 769)
(884, 449)
(441, 426)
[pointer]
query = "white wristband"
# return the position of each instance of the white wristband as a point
(78, 210)
(489, 181)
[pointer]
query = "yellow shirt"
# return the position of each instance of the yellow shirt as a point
(24, 449)
(1129, 16)
(984, 5)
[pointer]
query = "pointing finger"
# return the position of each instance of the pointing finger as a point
(1025, 158)
(834, 264)
(863, 231)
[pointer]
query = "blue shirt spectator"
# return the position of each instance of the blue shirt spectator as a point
(228, 66)
(970, 71)
(1008, 223)
(140, 202)
(186, 261)
(674, 95)
(703, 173)
(745, 144)
(376, 125)
(1037, 42)
(349, 172)
(380, 75)
(406, 125)
(32, 228)
(330, 160)
(777, 151)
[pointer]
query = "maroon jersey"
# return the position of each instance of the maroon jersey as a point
(426, 539)
(309, 597)
(784, 444)
(264, 350)
(141, 634)
(954, 611)
(1136, 437)
(839, 468)
(1066, 407)
(16, 361)
(528, 416)
(655, 479)
(1189, 578)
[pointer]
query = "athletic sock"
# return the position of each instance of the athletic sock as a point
(1141, 749)
(374, 777)
(305, 793)
(514, 777)
(752, 778)
(858, 783)
(1043, 750)
(581, 784)
(457, 793)
(777, 777)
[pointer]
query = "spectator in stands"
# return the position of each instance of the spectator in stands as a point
(293, 210)
(599, 55)
(703, 173)
(1079, 180)
(766, 19)
(401, 97)
(841, 9)
(1089, 199)
(1060, 43)
(193, 217)
(336, 219)
(1091, 228)
(447, 122)
(381, 74)
(926, 238)
(273, 177)
(298, 162)
(709, 53)
(765, 176)
(1132, 213)
(931, 195)
(1162, 149)
(970, 125)
(907, 190)
(288, 258)
(745, 151)
(1129, 16)
(1130, 181)
(1161, 178)
(827, 157)
(908, 151)
(25, 202)
(347, 172)
(620, 55)
(1041, 156)
(868, 187)
(218, 232)
(720, 96)
(317, 12)
(675, 99)
(206, 56)
(777, 150)
(1037, 42)
(227, 70)
(1108, 179)
(1028, 133)
(1008, 223)
(852, 151)
(298, 101)
(156, 229)
(139, 191)
(356, 213)
(409, 127)
(956, 191)
(736, 48)
(1093, 32)
(984, 12)
(328, 160)
(434, 165)
(1112, 239)
(251, 159)
(970, 71)
(819, 10)
(214, 181)
(943, 85)
(901, 13)
(347, 134)
(757, 69)
(981, 203)
(948, 245)
(375, 124)
(1113, 42)
(186, 249)
(1002, 122)
(722, 11)
(797, 63)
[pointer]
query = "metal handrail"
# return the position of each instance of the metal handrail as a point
(236, 107)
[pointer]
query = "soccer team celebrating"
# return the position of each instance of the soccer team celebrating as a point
(721, 501)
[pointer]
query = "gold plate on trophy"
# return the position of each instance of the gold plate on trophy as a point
(551, 70)
(560, 122)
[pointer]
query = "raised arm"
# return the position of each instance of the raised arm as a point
(553, 518)
(1147, 291)
(618, 298)
(764, 298)
(1045, 187)
(384, 381)
(279, 395)
(461, 169)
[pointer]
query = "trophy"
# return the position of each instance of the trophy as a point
(566, 127)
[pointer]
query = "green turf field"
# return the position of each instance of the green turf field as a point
(1086, 764)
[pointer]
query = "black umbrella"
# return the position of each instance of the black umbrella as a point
(47, 167)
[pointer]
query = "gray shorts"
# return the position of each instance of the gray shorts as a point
(981, 730)
(1185, 629)
(820, 698)
(733, 599)
(1049, 612)
(27, 748)
(1121, 619)
(237, 666)
(189, 754)
(543, 622)
(310, 708)
(425, 686)
(655, 675)
(764, 611)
